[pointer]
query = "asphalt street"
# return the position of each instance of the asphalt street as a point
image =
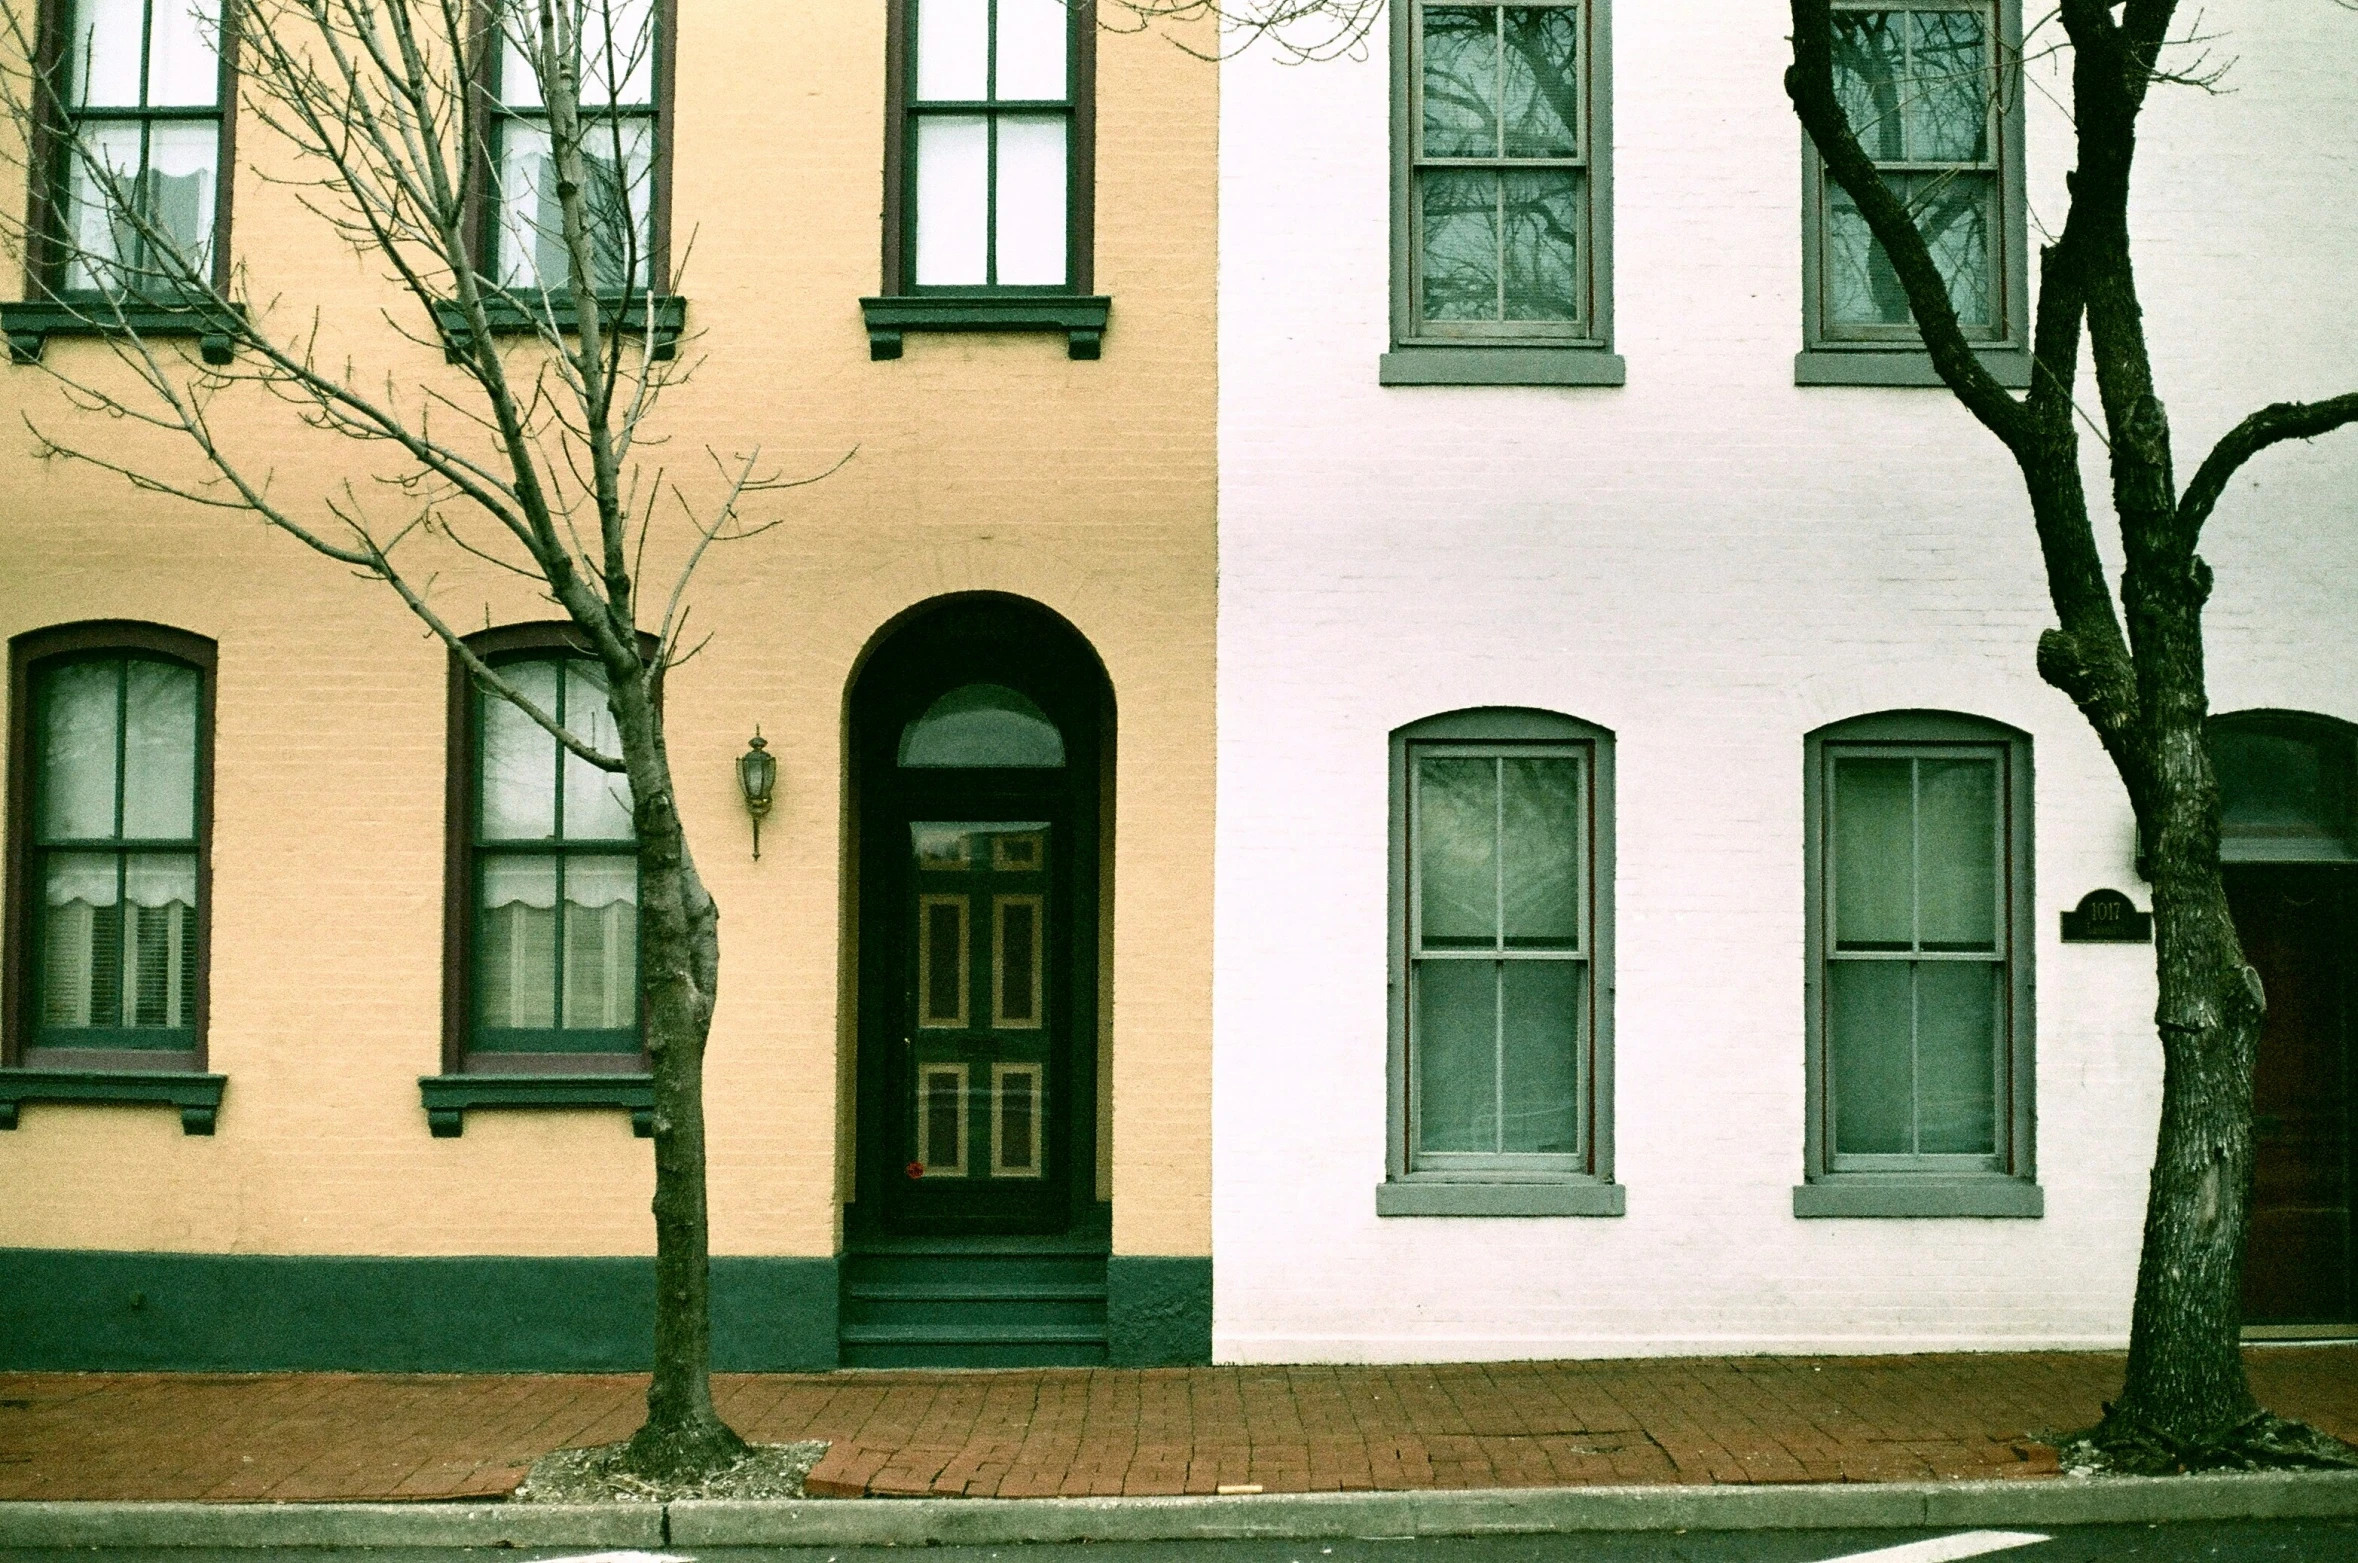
(2241, 1541)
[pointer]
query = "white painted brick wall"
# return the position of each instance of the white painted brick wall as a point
(1709, 562)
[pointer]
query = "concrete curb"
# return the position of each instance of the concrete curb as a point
(1293, 1516)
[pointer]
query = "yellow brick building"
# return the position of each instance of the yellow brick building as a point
(1017, 550)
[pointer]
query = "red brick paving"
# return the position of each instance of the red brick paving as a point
(1115, 1431)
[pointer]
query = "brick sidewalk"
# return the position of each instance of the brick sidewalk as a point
(1115, 1431)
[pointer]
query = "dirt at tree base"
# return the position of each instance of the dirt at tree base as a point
(589, 1476)
(2259, 1443)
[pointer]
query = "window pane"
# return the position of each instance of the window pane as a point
(528, 249)
(159, 941)
(81, 940)
(159, 752)
(597, 803)
(519, 84)
(1456, 831)
(102, 59)
(1461, 81)
(2275, 782)
(1948, 107)
(1956, 1056)
(1542, 860)
(78, 714)
(953, 50)
(953, 178)
(183, 70)
(601, 943)
(516, 945)
(1542, 82)
(95, 203)
(1542, 245)
(1032, 35)
(1540, 1053)
(1957, 854)
(520, 758)
(1458, 270)
(1874, 875)
(179, 194)
(1455, 1047)
(1956, 213)
(1869, 1051)
(1031, 200)
(617, 207)
(618, 56)
(1870, 63)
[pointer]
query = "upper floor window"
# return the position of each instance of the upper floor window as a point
(991, 187)
(1503, 197)
(1932, 89)
(549, 868)
(623, 56)
(141, 86)
(106, 939)
(1500, 967)
(1919, 858)
(2288, 787)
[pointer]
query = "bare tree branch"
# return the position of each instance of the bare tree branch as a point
(2271, 425)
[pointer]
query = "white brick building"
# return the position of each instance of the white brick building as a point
(1705, 565)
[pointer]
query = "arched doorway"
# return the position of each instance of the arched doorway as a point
(979, 731)
(2289, 845)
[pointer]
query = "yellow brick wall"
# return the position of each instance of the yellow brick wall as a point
(978, 463)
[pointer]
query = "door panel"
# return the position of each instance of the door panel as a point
(2296, 929)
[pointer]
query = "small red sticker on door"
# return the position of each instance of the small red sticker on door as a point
(916, 1169)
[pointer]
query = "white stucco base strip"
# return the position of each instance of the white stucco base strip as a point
(1240, 1348)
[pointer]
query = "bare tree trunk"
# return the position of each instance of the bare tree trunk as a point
(679, 948)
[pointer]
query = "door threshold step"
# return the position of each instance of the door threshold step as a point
(973, 1292)
(970, 1335)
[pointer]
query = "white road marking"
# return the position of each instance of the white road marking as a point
(1946, 1549)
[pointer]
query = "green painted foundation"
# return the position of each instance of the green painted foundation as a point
(1158, 1311)
(81, 1310)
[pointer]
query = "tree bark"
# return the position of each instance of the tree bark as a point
(679, 952)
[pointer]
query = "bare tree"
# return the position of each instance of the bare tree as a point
(2186, 1403)
(529, 456)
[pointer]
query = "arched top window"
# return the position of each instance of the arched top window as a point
(983, 725)
(2285, 786)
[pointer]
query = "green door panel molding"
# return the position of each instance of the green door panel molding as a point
(79, 1310)
(1158, 1311)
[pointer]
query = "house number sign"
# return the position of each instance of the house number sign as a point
(2107, 917)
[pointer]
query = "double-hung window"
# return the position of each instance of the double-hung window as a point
(988, 160)
(135, 181)
(552, 879)
(622, 47)
(106, 921)
(1932, 89)
(1919, 949)
(1500, 947)
(1501, 270)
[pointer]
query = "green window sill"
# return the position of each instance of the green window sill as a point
(197, 1096)
(31, 323)
(509, 315)
(1080, 317)
(449, 1098)
(1415, 1197)
(1485, 364)
(1864, 365)
(1906, 1195)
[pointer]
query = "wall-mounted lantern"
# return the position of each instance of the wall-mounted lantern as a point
(757, 778)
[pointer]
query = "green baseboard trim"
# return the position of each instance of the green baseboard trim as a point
(81, 1310)
(1158, 1311)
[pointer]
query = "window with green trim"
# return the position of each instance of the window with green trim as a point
(992, 98)
(624, 51)
(1500, 954)
(1933, 91)
(553, 869)
(140, 86)
(110, 750)
(1920, 947)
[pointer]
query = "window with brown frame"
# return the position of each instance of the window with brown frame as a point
(626, 97)
(109, 833)
(541, 948)
(990, 113)
(138, 93)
